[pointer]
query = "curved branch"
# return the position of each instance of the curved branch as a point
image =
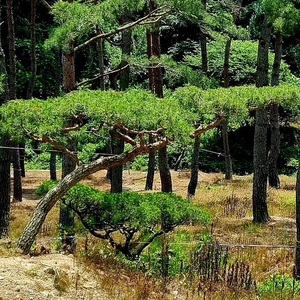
(127, 26)
(102, 75)
(202, 129)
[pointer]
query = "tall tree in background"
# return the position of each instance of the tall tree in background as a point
(12, 75)
(5, 154)
(156, 86)
(259, 195)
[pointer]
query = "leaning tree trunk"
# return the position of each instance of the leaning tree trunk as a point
(274, 180)
(194, 168)
(259, 196)
(49, 200)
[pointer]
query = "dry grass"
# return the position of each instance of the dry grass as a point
(229, 203)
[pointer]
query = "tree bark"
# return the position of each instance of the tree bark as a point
(68, 66)
(5, 154)
(33, 65)
(274, 180)
(53, 174)
(17, 197)
(5, 160)
(203, 45)
(101, 62)
(194, 169)
(48, 201)
(151, 169)
(228, 162)
(260, 165)
(297, 256)
(259, 196)
(164, 171)
(116, 176)
(66, 215)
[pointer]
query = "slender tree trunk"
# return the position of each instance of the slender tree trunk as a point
(297, 256)
(156, 86)
(53, 174)
(126, 51)
(5, 154)
(203, 45)
(12, 93)
(68, 67)
(5, 160)
(116, 178)
(66, 215)
(101, 62)
(164, 171)
(194, 169)
(33, 65)
(151, 168)
(260, 165)
(22, 158)
(17, 197)
(274, 180)
(228, 162)
(58, 67)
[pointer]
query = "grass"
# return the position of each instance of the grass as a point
(229, 203)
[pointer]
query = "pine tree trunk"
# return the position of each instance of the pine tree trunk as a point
(66, 215)
(259, 196)
(68, 67)
(5, 154)
(22, 158)
(151, 169)
(164, 171)
(5, 160)
(126, 50)
(274, 180)
(33, 65)
(53, 174)
(194, 169)
(228, 162)
(116, 177)
(297, 257)
(101, 62)
(17, 197)
(203, 45)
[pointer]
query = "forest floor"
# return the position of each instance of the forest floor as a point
(47, 274)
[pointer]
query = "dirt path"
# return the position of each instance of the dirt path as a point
(51, 276)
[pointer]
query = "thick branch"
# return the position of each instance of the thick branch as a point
(47, 139)
(102, 75)
(125, 27)
(202, 129)
(142, 246)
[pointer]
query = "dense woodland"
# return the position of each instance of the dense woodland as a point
(151, 85)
